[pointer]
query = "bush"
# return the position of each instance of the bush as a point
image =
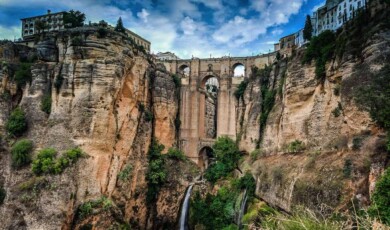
(176, 79)
(156, 175)
(247, 182)
(2, 195)
(77, 41)
(380, 207)
(125, 173)
(255, 154)
(295, 146)
(23, 74)
(239, 93)
(373, 94)
(215, 172)
(176, 154)
(321, 48)
(46, 104)
(16, 124)
(44, 163)
(149, 116)
(347, 170)
(102, 32)
(21, 153)
(357, 143)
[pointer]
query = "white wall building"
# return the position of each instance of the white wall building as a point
(53, 21)
(334, 14)
(166, 56)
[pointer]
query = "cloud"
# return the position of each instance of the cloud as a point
(143, 15)
(186, 27)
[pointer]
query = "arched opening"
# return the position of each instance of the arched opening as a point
(185, 70)
(209, 104)
(206, 157)
(238, 70)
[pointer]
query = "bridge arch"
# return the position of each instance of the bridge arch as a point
(239, 69)
(206, 157)
(185, 70)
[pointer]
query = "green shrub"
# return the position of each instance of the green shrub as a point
(73, 154)
(46, 104)
(215, 211)
(176, 79)
(102, 32)
(256, 154)
(347, 170)
(47, 163)
(16, 124)
(156, 175)
(239, 93)
(23, 74)
(336, 112)
(373, 94)
(77, 41)
(2, 195)
(21, 153)
(357, 143)
(149, 116)
(321, 48)
(44, 163)
(125, 173)
(380, 207)
(247, 182)
(216, 171)
(295, 146)
(176, 154)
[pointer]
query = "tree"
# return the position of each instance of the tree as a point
(16, 124)
(227, 152)
(21, 153)
(381, 199)
(119, 26)
(308, 30)
(40, 26)
(74, 19)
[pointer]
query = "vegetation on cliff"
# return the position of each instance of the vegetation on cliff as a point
(21, 153)
(157, 174)
(17, 123)
(380, 207)
(227, 156)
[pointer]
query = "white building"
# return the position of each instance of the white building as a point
(53, 22)
(166, 56)
(334, 14)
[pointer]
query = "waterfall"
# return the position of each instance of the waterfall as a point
(242, 209)
(184, 209)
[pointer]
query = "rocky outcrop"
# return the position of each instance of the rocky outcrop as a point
(325, 123)
(102, 91)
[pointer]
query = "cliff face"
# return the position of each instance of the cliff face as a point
(105, 96)
(312, 133)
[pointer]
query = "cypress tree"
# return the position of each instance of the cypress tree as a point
(308, 30)
(119, 26)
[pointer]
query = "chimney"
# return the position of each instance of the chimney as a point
(48, 11)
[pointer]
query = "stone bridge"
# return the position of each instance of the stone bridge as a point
(208, 106)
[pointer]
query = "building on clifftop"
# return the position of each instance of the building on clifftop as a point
(53, 22)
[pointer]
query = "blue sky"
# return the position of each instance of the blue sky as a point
(187, 27)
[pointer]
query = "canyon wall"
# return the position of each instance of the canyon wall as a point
(110, 100)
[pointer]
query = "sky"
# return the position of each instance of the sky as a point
(189, 28)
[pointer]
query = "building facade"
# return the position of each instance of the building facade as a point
(334, 14)
(139, 40)
(53, 22)
(166, 56)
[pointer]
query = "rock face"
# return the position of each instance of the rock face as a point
(105, 98)
(326, 123)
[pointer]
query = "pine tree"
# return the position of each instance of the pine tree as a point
(308, 30)
(119, 26)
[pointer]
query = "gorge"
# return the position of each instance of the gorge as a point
(97, 134)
